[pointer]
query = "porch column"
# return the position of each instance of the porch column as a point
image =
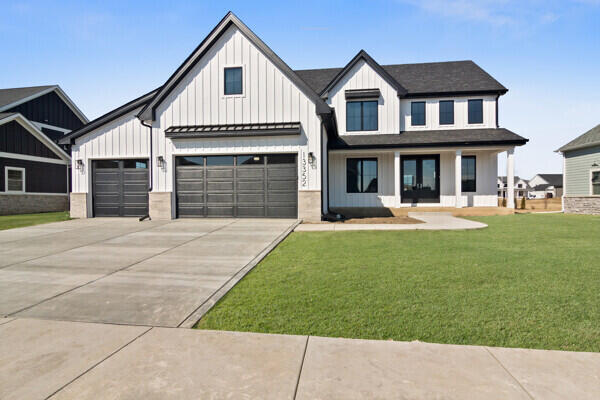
(397, 179)
(510, 178)
(458, 178)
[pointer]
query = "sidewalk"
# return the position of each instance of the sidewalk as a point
(68, 360)
(432, 221)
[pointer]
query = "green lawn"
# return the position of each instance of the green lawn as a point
(18, 221)
(525, 281)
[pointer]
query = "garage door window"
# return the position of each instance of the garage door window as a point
(193, 160)
(219, 161)
(103, 164)
(250, 160)
(281, 159)
(136, 164)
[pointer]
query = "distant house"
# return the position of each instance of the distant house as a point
(521, 187)
(546, 186)
(581, 169)
(34, 168)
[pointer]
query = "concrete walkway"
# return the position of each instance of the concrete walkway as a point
(431, 221)
(74, 360)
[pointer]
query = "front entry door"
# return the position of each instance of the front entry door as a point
(421, 179)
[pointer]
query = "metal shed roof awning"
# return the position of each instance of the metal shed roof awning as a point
(234, 130)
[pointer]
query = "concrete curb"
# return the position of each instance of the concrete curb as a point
(191, 320)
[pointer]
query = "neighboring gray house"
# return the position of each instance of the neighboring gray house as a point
(581, 169)
(235, 132)
(546, 186)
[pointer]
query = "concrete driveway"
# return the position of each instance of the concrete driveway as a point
(122, 271)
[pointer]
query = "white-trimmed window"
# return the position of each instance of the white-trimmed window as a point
(233, 81)
(595, 182)
(14, 180)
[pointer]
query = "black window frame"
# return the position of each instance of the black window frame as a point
(360, 161)
(412, 113)
(446, 112)
(241, 92)
(362, 114)
(470, 120)
(466, 187)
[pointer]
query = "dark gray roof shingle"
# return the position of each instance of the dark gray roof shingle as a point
(11, 95)
(421, 79)
(588, 139)
(552, 179)
(462, 137)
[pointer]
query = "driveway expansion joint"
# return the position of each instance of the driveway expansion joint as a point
(508, 372)
(301, 366)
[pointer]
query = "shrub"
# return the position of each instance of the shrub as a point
(523, 204)
(504, 202)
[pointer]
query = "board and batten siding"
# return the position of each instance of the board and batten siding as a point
(268, 96)
(486, 180)
(124, 137)
(578, 164)
(362, 76)
(461, 113)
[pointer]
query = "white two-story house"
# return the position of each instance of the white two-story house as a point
(235, 132)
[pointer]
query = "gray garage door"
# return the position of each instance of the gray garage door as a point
(237, 186)
(120, 188)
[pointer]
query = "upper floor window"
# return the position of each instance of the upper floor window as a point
(233, 80)
(361, 115)
(595, 182)
(447, 112)
(417, 113)
(15, 179)
(361, 175)
(476, 111)
(468, 174)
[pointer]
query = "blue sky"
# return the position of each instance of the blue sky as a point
(105, 53)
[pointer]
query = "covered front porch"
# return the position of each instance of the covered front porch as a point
(420, 177)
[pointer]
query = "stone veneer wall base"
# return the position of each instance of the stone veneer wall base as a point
(79, 205)
(582, 205)
(309, 205)
(11, 204)
(160, 205)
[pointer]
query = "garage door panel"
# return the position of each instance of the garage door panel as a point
(243, 211)
(219, 211)
(282, 185)
(281, 172)
(184, 211)
(190, 173)
(219, 198)
(251, 198)
(282, 197)
(250, 173)
(219, 186)
(253, 186)
(104, 176)
(219, 173)
(191, 198)
(190, 186)
(281, 212)
(108, 199)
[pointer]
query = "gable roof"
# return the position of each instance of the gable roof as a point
(362, 55)
(12, 97)
(423, 79)
(109, 116)
(552, 179)
(589, 139)
(147, 113)
(35, 131)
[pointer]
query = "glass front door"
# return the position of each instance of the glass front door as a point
(421, 179)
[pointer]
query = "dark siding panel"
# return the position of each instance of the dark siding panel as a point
(40, 177)
(16, 139)
(49, 109)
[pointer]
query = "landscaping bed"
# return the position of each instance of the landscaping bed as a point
(525, 281)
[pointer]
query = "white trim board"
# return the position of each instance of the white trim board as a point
(25, 123)
(26, 157)
(60, 94)
(53, 127)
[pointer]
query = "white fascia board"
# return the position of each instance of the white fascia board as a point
(25, 123)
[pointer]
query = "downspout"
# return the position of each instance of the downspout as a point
(150, 166)
(497, 121)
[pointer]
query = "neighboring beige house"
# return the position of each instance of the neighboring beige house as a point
(581, 169)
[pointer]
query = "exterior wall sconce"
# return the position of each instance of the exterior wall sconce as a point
(311, 158)
(160, 161)
(79, 164)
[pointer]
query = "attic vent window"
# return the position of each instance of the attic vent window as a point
(233, 80)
